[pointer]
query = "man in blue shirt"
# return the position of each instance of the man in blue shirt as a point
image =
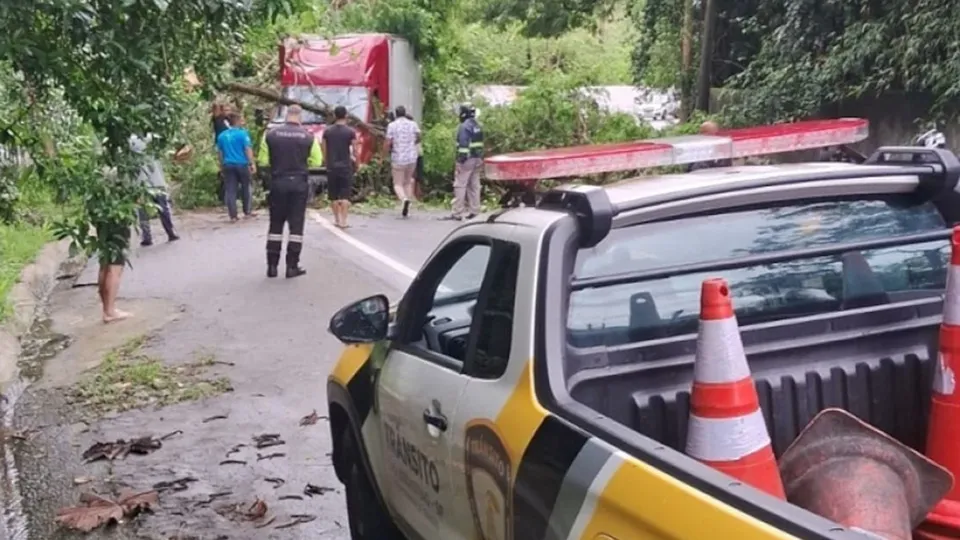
(237, 165)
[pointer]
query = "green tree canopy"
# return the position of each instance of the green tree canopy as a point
(118, 65)
(543, 18)
(815, 53)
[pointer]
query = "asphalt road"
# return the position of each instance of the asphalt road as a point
(208, 295)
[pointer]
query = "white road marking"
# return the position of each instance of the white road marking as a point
(379, 256)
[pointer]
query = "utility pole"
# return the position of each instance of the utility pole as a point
(686, 60)
(706, 55)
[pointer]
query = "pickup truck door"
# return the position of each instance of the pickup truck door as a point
(422, 382)
(498, 357)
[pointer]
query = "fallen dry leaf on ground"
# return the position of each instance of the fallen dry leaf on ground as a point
(297, 519)
(311, 419)
(96, 511)
(134, 502)
(310, 490)
(180, 484)
(213, 496)
(267, 440)
(120, 448)
(256, 510)
(277, 482)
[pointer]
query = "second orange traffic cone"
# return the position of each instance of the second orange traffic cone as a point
(726, 429)
(943, 426)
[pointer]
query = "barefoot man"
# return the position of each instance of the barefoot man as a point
(339, 149)
(112, 262)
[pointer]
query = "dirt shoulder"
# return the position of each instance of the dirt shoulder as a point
(215, 356)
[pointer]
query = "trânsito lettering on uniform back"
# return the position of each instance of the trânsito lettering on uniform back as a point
(291, 150)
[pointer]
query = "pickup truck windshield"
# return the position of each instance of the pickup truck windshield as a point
(355, 98)
(658, 308)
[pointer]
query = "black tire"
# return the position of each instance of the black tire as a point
(367, 517)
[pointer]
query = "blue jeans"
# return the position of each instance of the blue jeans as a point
(237, 177)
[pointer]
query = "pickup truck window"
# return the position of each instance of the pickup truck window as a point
(439, 308)
(494, 336)
(643, 310)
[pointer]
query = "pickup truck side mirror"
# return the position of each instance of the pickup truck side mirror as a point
(365, 321)
(259, 117)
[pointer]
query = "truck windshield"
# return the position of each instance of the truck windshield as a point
(643, 310)
(355, 98)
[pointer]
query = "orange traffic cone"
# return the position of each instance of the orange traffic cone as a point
(726, 429)
(943, 426)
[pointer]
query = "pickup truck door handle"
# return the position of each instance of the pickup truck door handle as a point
(436, 420)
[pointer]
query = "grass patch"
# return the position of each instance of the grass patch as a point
(19, 245)
(129, 379)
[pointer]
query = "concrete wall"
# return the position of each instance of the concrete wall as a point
(894, 119)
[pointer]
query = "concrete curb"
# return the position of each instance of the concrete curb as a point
(37, 281)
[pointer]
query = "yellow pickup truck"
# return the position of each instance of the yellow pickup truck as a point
(534, 381)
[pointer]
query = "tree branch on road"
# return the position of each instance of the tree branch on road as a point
(272, 95)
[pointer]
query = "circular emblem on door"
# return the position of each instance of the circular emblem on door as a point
(489, 473)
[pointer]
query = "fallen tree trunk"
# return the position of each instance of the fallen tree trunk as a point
(274, 96)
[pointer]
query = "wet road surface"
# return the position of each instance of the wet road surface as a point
(207, 295)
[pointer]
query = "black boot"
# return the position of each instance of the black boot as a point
(271, 271)
(295, 271)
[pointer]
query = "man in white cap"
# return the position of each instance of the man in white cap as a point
(151, 175)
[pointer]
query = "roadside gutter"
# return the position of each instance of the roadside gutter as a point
(27, 299)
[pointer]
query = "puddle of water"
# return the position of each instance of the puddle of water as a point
(38, 346)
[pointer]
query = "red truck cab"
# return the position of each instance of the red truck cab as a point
(369, 74)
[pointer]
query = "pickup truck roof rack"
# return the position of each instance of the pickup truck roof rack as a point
(938, 169)
(945, 165)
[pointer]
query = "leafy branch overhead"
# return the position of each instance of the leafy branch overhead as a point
(118, 66)
(119, 62)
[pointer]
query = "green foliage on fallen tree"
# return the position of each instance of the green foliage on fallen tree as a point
(551, 113)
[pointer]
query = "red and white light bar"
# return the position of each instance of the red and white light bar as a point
(728, 144)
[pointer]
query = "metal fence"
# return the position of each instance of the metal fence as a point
(13, 157)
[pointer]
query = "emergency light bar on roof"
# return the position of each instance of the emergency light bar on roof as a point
(728, 144)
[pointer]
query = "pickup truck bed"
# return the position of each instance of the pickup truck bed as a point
(874, 362)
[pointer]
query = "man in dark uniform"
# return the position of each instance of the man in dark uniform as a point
(290, 151)
(466, 183)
